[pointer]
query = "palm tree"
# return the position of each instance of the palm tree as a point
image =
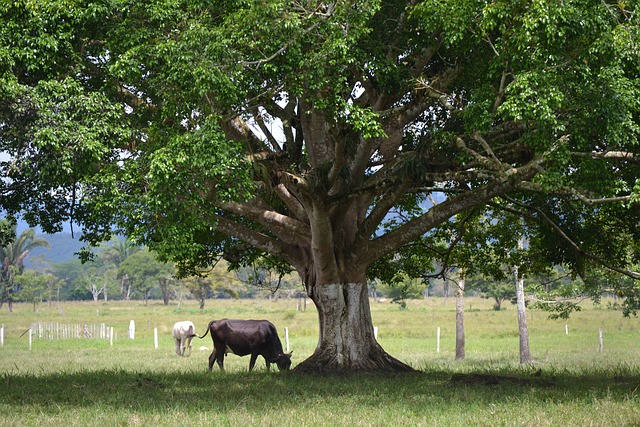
(13, 256)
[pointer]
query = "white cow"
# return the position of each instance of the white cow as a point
(183, 333)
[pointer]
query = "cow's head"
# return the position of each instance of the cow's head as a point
(284, 361)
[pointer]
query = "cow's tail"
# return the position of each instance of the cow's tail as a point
(192, 332)
(208, 328)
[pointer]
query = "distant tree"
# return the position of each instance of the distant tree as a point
(144, 271)
(69, 274)
(13, 255)
(115, 252)
(215, 282)
(96, 281)
(168, 286)
(199, 287)
(33, 286)
(403, 288)
(499, 290)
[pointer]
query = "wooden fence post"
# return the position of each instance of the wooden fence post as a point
(600, 340)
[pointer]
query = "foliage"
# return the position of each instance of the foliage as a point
(7, 231)
(403, 289)
(33, 286)
(13, 255)
(144, 272)
(188, 76)
(562, 296)
(498, 290)
(331, 136)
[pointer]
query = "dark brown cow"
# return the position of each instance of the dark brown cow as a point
(242, 337)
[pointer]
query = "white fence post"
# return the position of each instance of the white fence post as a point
(111, 336)
(375, 332)
(566, 329)
(155, 338)
(286, 338)
(132, 329)
(30, 338)
(2, 336)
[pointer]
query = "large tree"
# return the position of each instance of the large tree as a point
(325, 135)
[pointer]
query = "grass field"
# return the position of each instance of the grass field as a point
(88, 382)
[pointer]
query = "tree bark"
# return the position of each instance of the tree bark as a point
(346, 342)
(525, 354)
(460, 342)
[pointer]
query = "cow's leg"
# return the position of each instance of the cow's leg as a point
(268, 365)
(252, 362)
(220, 360)
(178, 349)
(212, 359)
(189, 344)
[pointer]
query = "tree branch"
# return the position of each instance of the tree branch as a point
(611, 155)
(257, 240)
(570, 191)
(571, 243)
(285, 227)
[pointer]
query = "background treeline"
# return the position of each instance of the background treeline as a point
(46, 268)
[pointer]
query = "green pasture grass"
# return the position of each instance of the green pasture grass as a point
(88, 382)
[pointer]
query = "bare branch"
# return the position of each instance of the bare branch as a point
(501, 90)
(570, 191)
(611, 155)
(432, 92)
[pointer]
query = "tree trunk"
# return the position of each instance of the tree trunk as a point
(346, 342)
(460, 351)
(525, 354)
(164, 288)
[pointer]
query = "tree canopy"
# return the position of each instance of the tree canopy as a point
(327, 136)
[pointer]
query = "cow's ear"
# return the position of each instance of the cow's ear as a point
(290, 353)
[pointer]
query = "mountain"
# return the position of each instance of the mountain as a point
(63, 245)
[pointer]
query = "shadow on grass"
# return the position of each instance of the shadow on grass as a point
(223, 392)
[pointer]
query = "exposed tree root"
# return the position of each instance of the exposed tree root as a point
(326, 363)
